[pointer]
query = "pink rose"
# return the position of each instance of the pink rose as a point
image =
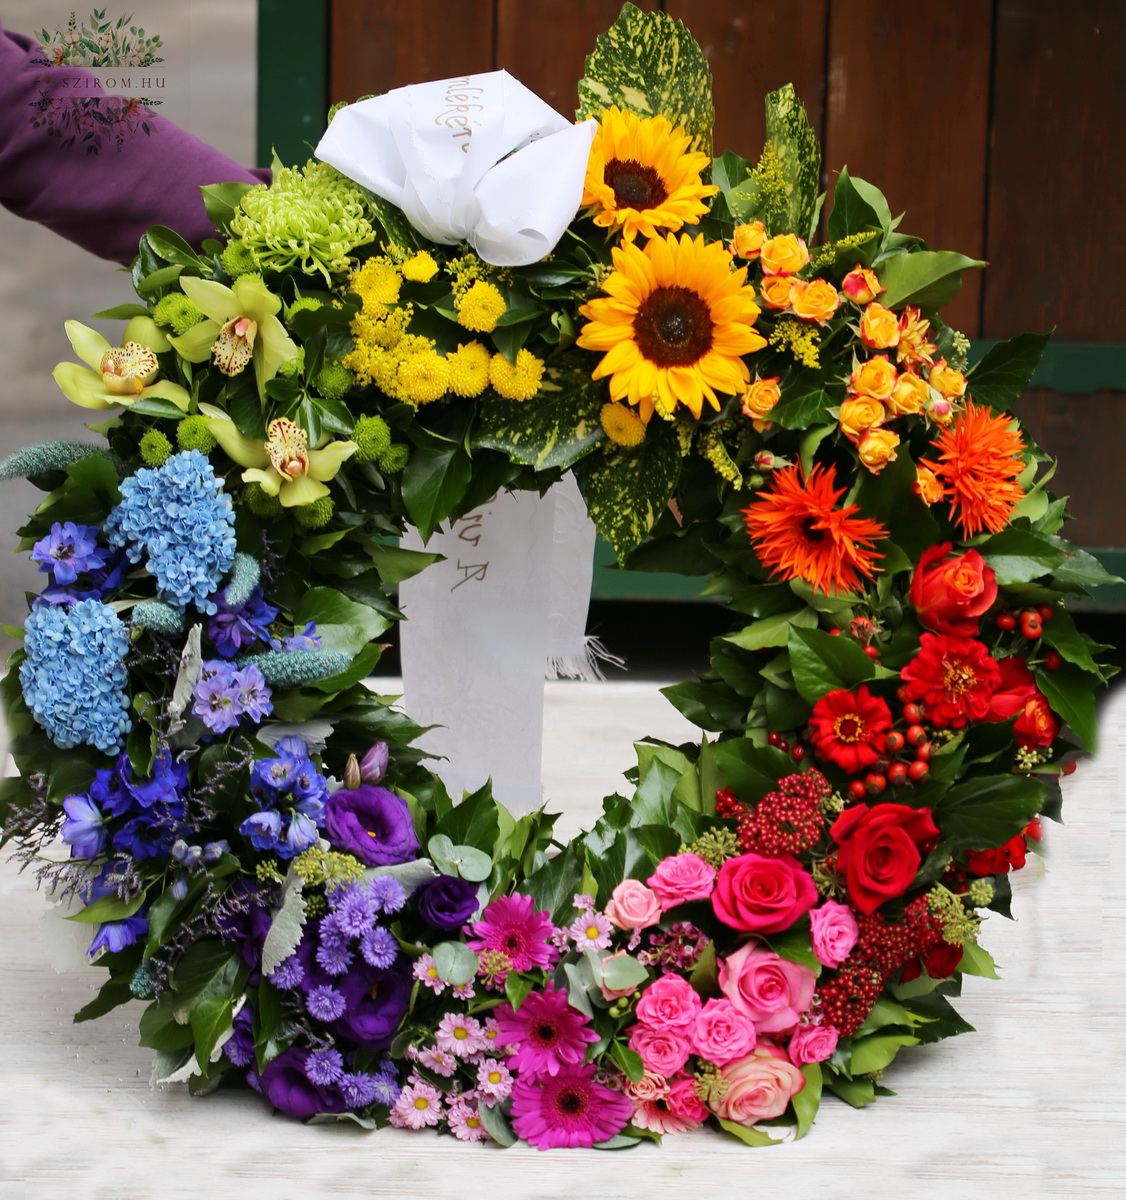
(682, 878)
(685, 1101)
(834, 931)
(633, 906)
(662, 1050)
(650, 1086)
(723, 1033)
(812, 1043)
(671, 1003)
(772, 991)
(763, 895)
(759, 1086)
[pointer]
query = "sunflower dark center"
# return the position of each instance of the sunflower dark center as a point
(635, 185)
(810, 532)
(571, 1102)
(673, 327)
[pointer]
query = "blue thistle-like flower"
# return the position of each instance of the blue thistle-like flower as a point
(245, 577)
(292, 669)
(180, 521)
(159, 618)
(74, 678)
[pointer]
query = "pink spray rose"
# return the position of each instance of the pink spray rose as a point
(763, 895)
(772, 991)
(663, 1051)
(834, 931)
(682, 878)
(685, 1101)
(812, 1043)
(633, 906)
(759, 1086)
(670, 1003)
(723, 1033)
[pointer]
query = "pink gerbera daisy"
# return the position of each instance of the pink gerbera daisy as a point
(567, 1109)
(511, 926)
(548, 1032)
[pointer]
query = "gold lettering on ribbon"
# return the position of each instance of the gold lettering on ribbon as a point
(459, 101)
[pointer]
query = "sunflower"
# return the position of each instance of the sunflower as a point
(798, 534)
(674, 325)
(639, 175)
(978, 463)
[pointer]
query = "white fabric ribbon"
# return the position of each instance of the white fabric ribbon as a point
(508, 602)
(479, 158)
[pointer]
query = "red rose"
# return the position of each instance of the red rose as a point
(1009, 857)
(1037, 725)
(848, 728)
(880, 849)
(950, 594)
(1016, 686)
(763, 895)
(939, 962)
(953, 677)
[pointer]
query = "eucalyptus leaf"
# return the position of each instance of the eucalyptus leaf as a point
(455, 962)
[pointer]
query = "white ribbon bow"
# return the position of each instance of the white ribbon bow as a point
(479, 159)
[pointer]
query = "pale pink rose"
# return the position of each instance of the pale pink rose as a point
(649, 1087)
(669, 1002)
(812, 1043)
(661, 1050)
(613, 994)
(759, 1086)
(682, 878)
(633, 906)
(685, 1101)
(723, 1033)
(834, 931)
(772, 991)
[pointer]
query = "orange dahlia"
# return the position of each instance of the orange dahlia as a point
(674, 325)
(978, 465)
(798, 534)
(642, 177)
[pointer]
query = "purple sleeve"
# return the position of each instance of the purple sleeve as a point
(102, 201)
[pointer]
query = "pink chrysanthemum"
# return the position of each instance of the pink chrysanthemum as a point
(459, 1035)
(426, 973)
(441, 1062)
(419, 1104)
(494, 1080)
(464, 1121)
(591, 931)
(512, 926)
(549, 1033)
(567, 1109)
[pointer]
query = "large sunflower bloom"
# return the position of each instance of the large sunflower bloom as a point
(798, 534)
(675, 325)
(978, 463)
(640, 175)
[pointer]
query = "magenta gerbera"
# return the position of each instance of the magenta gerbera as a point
(512, 927)
(548, 1033)
(567, 1109)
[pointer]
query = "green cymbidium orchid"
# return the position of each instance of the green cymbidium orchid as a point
(117, 374)
(283, 464)
(241, 326)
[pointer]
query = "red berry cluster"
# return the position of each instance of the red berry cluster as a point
(1031, 622)
(913, 741)
(789, 820)
(880, 951)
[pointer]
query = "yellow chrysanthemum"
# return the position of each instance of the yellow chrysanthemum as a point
(675, 324)
(622, 425)
(480, 307)
(424, 377)
(516, 381)
(378, 281)
(420, 267)
(640, 175)
(469, 369)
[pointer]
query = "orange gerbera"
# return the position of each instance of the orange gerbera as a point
(798, 534)
(979, 462)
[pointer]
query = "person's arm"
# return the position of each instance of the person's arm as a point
(104, 202)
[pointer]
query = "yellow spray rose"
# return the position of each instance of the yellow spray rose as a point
(747, 240)
(860, 414)
(877, 449)
(783, 255)
(761, 397)
(876, 377)
(879, 327)
(908, 396)
(814, 301)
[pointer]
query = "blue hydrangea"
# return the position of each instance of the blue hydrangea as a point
(180, 521)
(74, 679)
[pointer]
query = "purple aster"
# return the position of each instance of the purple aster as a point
(359, 1089)
(263, 829)
(387, 893)
(324, 1067)
(331, 932)
(334, 959)
(355, 910)
(550, 1035)
(325, 1003)
(289, 973)
(84, 828)
(385, 1091)
(379, 947)
(239, 1047)
(252, 693)
(233, 629)
(68, 550)
(216, 697)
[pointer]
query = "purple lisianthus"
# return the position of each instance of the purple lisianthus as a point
(446, 902)
(287, 1086)
(68, 550)
(375, 1002)
(84, 829)
(371, 823)
(234, 629)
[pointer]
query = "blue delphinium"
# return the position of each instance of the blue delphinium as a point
(74, 678)
(225, 693)
(179, 520)
(84, 828)
(235, 627)
(291, 793)
(68, 550)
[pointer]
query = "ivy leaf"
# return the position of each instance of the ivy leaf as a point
(803, 404)
(1070, 692)
(625, 492)
(822, 663)
(434, 480)
(342, 623)
(1019, 555)
(857, 207)
(808, 1100)
(989, 810)
(1006, 370)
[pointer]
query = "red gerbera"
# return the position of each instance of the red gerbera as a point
(848, 728)
(953, 677)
